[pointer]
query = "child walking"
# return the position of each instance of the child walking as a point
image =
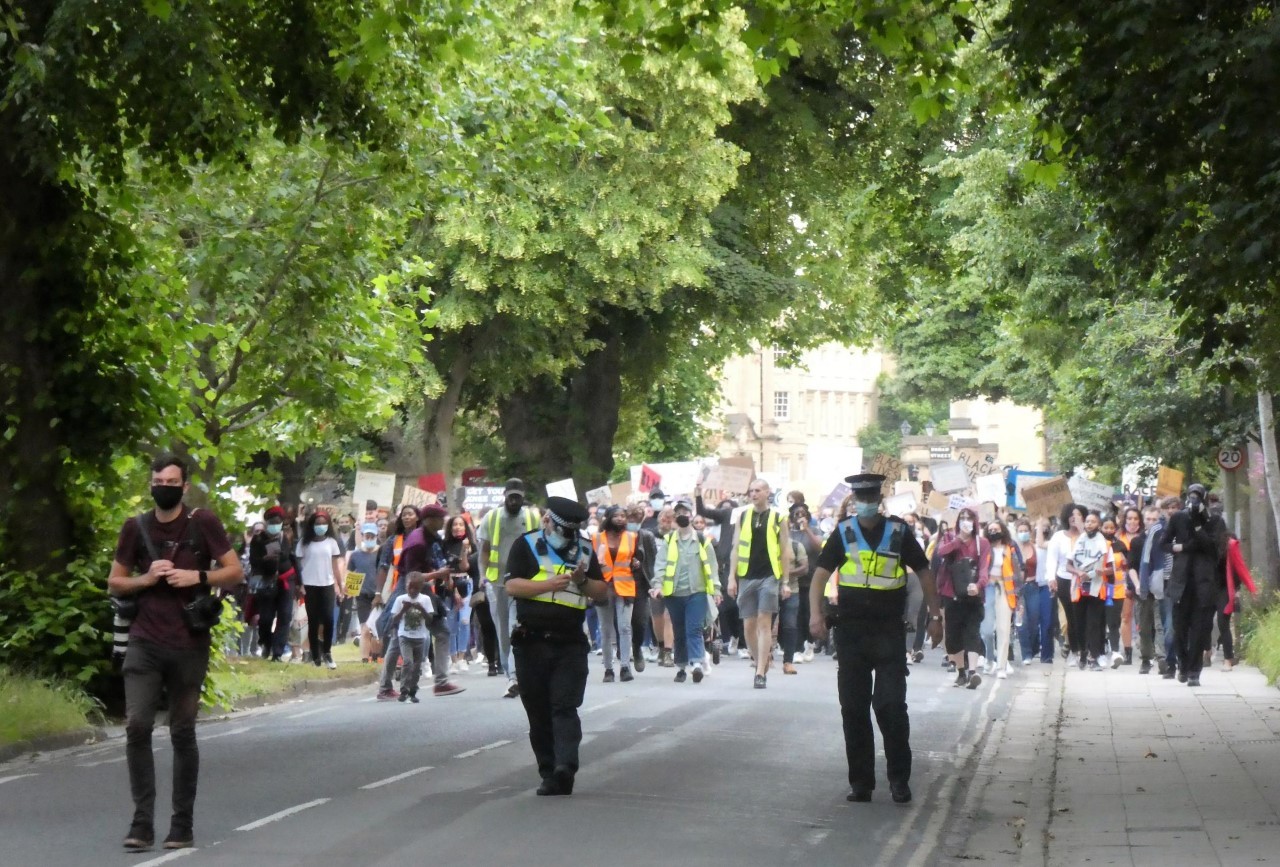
(409, 616)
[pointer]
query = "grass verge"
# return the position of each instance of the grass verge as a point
(31, 707)
(244, 678)
(1260, 634)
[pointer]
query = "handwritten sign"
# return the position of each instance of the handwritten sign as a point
(1046, 498)
(649, 479)
(937, 503)
(731, 475)
(987, 512)
(989, 488)
(601, 496)
(1021, 479)
(900, 504)
(978, 462)
(889, 466)
(1091, 495)
(353, 582)
(415, 497)
(484, 499)
(620, 493)
(373, 485)
(948, 476)
(1169, 482)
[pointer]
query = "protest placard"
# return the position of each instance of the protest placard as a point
(986, 512)
(352, 583)
(990, 488)
(948, 476)
(937, 503)
(374, 485)
(908, 488)
(563, 488)
(1091, 495)
(837, 495)
(958, 501)
(978, 462)
(1169, 482)
(733, 475)
(900, 504)
(889, 466)
(484, 499)
(949, 518)
(416, 497)
(1021, 479)
(601, 496)
(1046, 498)
(649, 479)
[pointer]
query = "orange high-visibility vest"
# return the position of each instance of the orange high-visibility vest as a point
(617, 570)
(1122, 567)
(1006, 575)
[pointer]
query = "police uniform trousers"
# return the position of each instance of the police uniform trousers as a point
(873, 675)
(551, 669)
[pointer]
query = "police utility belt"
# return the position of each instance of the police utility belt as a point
(867, 568)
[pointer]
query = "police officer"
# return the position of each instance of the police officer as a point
(553, 575)
(870, 555)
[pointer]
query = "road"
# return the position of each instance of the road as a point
(710, 773)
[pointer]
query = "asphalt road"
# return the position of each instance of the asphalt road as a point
(692, 774)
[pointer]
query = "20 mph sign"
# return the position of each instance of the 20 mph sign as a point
(1230, 459)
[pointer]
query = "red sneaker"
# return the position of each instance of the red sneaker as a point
(387, 695)
(447, 688)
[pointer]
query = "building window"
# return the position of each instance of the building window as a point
(781, 406)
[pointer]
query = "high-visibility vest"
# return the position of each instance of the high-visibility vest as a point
(531, 519)
(393, 571)
(1119, 588)
(551, 564)
(1006, 578)
(771, 537)
(618, 571)
(673, 554)
(867, 568)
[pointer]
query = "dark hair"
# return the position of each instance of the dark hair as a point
(1171, 503)
(309, 532)
(168, 459)
(400, 530)
(1064, 517)
(470, 537)
(1124, 519)
(1004, 531)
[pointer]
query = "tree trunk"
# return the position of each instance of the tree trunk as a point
(1271, 464)
(293, 478)
(441, 411)
(556, 429)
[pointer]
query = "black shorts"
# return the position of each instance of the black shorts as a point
(962, 618)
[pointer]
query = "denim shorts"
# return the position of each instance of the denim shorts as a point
(757, 596)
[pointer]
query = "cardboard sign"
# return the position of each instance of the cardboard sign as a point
(1021, 479)
(908, 488)
(978, 462)
(373, 485)
(433, 482)
(990, 488)
(649, 479)
(986, 512)
(730, 474)
(620, 493)
(1169, 482)
(1091, 495)
(900, 504)
(937, 503)
(415, 497)
(1046, 498)
(563, 488)
(889, 466)
(949, 518)
(948, 476)
(353, 582)
(600, 496)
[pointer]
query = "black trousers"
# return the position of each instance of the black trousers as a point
(275, 611)
(639, 620)
(488, 642)
(1090, 622)
(873, 676)
(150, 671)
(319, 602)
(1192, 630)
(552, 673)
(1074, 637)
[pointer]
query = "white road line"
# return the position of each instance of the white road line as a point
(398, 777)
(596, 707)
(16, 777)
(228, 734)
(105, 761)
(166, 858)
(478, 750)
(307, 713)
(283, 814)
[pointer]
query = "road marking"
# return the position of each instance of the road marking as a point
(597, 707)
(398, 777)
(16, 777)
(478, 750)
(306, 713)
(283, 814)
(166, 858)
(238, 731)
(107, 761)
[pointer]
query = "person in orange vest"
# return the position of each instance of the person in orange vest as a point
(1004, 576)
(1091, 567)
(618, 550)
(1119, 605)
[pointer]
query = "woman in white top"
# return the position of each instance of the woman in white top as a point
(1003, 576)
(319, 556)
(1057, 556)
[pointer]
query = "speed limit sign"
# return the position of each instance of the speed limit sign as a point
(1230, 459)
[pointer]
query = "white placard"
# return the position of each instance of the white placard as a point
(726, 477)
(948, 476)
(1091, 495)
(958, 501)
(679, 477)
(900, 504)
(374, 485)
(599, 496)
(563, 488)
(480, 500)
(990, 489)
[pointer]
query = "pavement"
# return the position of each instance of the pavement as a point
(1117, 768)
(1047, 767)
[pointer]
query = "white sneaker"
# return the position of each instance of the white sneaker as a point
(743, 653)
(1027, 661)
(1008, 668)
(463, 666)
(1002, 674)
(733, 646)
(808, 651)
(650, 655)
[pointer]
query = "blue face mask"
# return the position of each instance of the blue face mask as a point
(866, 510)
(321, 529)
(632, 526)
(274, 529)
(557, 539)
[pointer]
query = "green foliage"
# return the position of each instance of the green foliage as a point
(1260, 637)
(32, 707)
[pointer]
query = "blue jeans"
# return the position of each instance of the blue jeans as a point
(460, 628)
(1037, 623)
(687, 614)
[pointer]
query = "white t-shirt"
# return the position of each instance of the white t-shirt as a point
(317, 561)
(1090, 556)
(413, 624)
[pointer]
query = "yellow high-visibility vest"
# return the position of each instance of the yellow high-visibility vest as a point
(553, 564)
(673, 554)
(771, 536)
(531, 518)
(867, 568)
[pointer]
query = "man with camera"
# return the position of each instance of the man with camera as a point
(162, 564)
(1192, 585)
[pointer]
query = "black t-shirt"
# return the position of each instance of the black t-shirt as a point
(758, 564)
(864, 604)
(546, 616)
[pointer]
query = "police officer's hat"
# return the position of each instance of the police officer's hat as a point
(565, 512)
(865, 483)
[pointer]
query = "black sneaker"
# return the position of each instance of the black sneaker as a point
(1094, 666)
(975, 680)
(404, 696)
(493, 671)
(638, 661)
(1145, 668)
(697, 674)
(681, 676)
(962, 679)
(715, 653)
(608, 675)
(900, 792)
(859, 796)
(141, 838)
(179, 838)
(759, 682)
(1193, 681)
(625, 675)
(1182, 677)
(918, 656)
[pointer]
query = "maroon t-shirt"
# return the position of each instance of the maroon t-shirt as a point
(159, 619)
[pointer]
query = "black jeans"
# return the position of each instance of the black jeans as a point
(1192, 630)
(150, 671)
(488, 642)
(275, 611)
(552, 674)
(319, 602)
(1074, 638)
(639, 621)
(873, 676)
(1090, 622)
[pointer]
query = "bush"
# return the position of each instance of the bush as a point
(31, 707)
(1260, 637)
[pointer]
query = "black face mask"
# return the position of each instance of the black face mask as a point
(166, 496)
(682, 521)
(994, 537)
(1091, 533)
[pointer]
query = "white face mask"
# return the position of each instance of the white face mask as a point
(966, 526)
